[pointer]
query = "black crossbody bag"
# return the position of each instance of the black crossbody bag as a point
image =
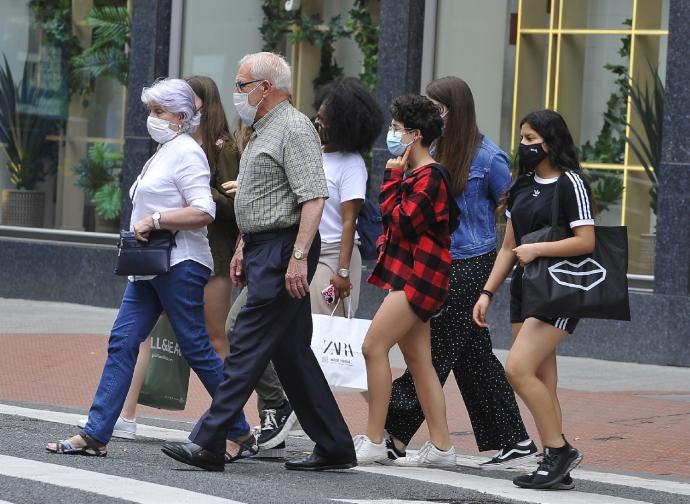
(136, 257)
(151, 257)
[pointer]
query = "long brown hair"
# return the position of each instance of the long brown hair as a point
(214, 124)
(458, 144)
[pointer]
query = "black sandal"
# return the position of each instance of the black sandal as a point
(249, 445)
(93, 448)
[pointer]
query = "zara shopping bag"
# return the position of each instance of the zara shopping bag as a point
(337, 345)
(167, 379)
(589, 286)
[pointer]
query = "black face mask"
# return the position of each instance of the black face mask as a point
(531, 155)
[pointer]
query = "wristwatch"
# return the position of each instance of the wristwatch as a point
(156, 220)
(344, 273)
(298, 254)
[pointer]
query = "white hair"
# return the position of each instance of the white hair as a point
(177, 97)
(271, 67)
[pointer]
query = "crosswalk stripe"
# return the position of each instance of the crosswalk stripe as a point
(141, 492)
(655, 485)
(492, 486)
(163, 434)
(386, 501)
(145, 431)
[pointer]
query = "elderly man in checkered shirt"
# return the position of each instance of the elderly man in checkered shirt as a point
(278, 205)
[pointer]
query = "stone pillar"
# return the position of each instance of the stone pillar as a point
(672, 275)
(401, 37)
(148, 60)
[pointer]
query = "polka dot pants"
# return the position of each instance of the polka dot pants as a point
(459, 345)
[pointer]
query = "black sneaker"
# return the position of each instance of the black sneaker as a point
(393, 452)
(276, 426)
(512, 456)
(526, 482)
(554, 468)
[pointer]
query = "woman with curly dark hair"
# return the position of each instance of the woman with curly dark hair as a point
(348, 121)
(548, 163)
(481, 178)
(414, 264)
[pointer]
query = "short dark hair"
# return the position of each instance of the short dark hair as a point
(353, 118)
(418, 112)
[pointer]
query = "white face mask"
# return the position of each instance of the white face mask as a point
(246, 112)
(159, 129)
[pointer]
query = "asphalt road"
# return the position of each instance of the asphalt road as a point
(252, 480)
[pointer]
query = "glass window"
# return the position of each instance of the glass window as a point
(65, 106)
(595, 47)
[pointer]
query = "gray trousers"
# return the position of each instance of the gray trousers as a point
(269, 390)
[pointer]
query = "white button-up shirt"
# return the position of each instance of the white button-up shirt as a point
(176, 176)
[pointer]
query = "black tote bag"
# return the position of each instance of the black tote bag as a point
(588, 286)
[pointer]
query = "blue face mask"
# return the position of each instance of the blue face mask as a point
(395, 143)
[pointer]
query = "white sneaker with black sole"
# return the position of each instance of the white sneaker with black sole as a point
(124, 429)
(518, 454)
(428, 456)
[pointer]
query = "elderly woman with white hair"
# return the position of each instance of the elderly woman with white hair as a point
(172, 192)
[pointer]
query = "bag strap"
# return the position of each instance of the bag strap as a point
(349, 308)
(555, 204)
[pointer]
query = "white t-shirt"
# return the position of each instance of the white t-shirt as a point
(346, 176)
(176, 176)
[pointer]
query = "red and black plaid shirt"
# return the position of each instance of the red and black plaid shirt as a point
(414, 253)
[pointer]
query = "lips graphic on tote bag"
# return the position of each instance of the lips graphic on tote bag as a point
(584, 275)
(560, 287)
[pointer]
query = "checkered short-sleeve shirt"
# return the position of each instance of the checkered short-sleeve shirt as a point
(280, 169)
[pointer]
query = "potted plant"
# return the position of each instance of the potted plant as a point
(108, 201)
(648, 104)
(23, 139)
(101, 166)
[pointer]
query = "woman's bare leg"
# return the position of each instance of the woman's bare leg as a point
(535, 343)
(217, 302)
(416, 348)
(391, 323)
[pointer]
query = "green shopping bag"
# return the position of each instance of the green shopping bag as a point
(167, 379)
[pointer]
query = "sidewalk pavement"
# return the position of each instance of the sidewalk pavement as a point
(624, 417)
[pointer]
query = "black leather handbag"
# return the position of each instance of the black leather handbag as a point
(136, 257)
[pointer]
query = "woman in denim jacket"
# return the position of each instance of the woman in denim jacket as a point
(480, 178)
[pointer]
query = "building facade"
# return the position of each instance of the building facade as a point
(576, 56)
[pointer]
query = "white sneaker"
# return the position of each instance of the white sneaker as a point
(428, 456)
(368, 452)
(124, 429)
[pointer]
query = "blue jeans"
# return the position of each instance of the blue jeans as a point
(180, 293)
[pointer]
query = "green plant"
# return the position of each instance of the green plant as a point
(100, 167)
(607, 188)
(359, 25)
(54, 19)
(609, 146)
(23, 132)
(645, 142)
(107, 56)
(108, 201)
(366, 34)
(276, 23)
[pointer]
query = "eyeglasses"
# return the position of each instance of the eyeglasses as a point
(239, 84)
(393, 129)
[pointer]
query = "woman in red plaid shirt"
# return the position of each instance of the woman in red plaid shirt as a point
(414, 264)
